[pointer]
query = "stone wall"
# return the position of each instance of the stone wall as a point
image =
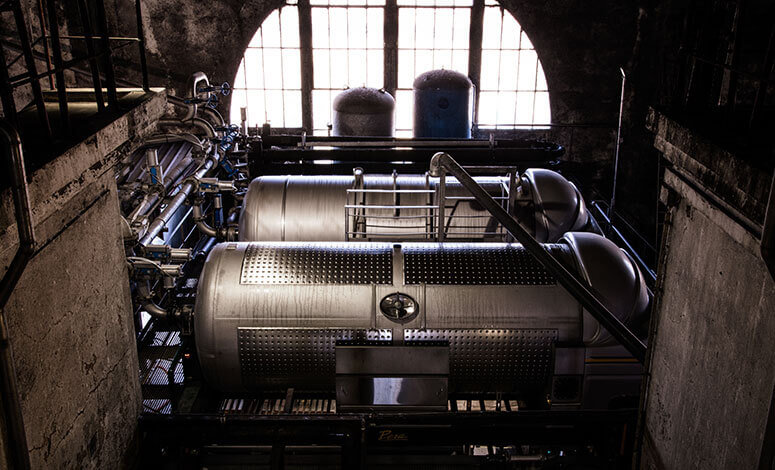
(70, 317)
(711, 369)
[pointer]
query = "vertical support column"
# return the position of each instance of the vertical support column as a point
(475, 53)
(307, 70)
(37, 93)
(6, 91)
(390, 37)
(110, 77)
(141, 45)
(88, 33)
(441, 193)
(56, 47)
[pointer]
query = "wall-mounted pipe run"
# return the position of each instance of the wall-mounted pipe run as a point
(18, 452)
(199, 123)
(211, 114)
(442, 163)
(185, 190)
(768, 232)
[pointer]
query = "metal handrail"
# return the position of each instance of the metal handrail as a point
(443, 163)
(19, 453)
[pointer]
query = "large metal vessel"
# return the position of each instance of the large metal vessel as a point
(271, 315)
(442, 104)
(405, 207)
(363, 112)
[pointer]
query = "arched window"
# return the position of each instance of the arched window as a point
(307, 51)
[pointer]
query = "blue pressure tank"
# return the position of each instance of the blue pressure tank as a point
(442, 104)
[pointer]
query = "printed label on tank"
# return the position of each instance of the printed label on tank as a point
(472, 265)
(305, 263)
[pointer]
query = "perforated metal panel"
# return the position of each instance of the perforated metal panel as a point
(499, 360)
(304, 358)
(314, 264)
(472, 265)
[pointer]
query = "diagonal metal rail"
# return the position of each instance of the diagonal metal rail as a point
(442, 163)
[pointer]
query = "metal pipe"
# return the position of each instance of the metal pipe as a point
(146, 300)
(618, 142)
(185, 190)
(768, 232)
(198, 122)
(201, 224)
(141, 45)
(18, 450)
(214, 115)
(442, 163)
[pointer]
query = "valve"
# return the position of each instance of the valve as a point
(224, 89)
(214, 185)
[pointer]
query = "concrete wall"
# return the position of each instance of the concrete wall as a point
(711, 371)
(70, 316)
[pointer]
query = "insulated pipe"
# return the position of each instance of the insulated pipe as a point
(17, 438)
(215, 117)
(198, 122)
(442, 163)
(185, 190)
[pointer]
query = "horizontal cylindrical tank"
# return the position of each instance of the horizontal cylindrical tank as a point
(363, 112)
(442, 104)
(341, 208)
(269, 315)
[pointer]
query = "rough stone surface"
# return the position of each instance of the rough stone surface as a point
(70, 316)
(70, 320)
(59, 190)
(712, 375)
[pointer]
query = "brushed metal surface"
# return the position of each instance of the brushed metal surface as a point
(332, 208)
(225, 305)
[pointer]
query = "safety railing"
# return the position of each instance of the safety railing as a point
(99, 45)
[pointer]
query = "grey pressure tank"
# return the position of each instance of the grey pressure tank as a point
(364, 112)
(268, 316)
(442, 104)
(342, 208)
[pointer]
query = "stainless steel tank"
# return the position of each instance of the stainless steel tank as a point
(404, 207)
(269, 315)
(364, 112)
(442, 104)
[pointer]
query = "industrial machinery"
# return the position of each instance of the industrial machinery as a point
(443, 104)
(406, 207)
(352, 302)
(363, 112)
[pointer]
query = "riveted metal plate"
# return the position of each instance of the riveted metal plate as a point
(304, 263)
(469, 264)
(519, 361)
(303, 358)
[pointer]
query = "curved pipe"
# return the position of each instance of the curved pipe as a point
(18, 451)
(197, 122)
(201, 224)
(146, 300)
(213, 115)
